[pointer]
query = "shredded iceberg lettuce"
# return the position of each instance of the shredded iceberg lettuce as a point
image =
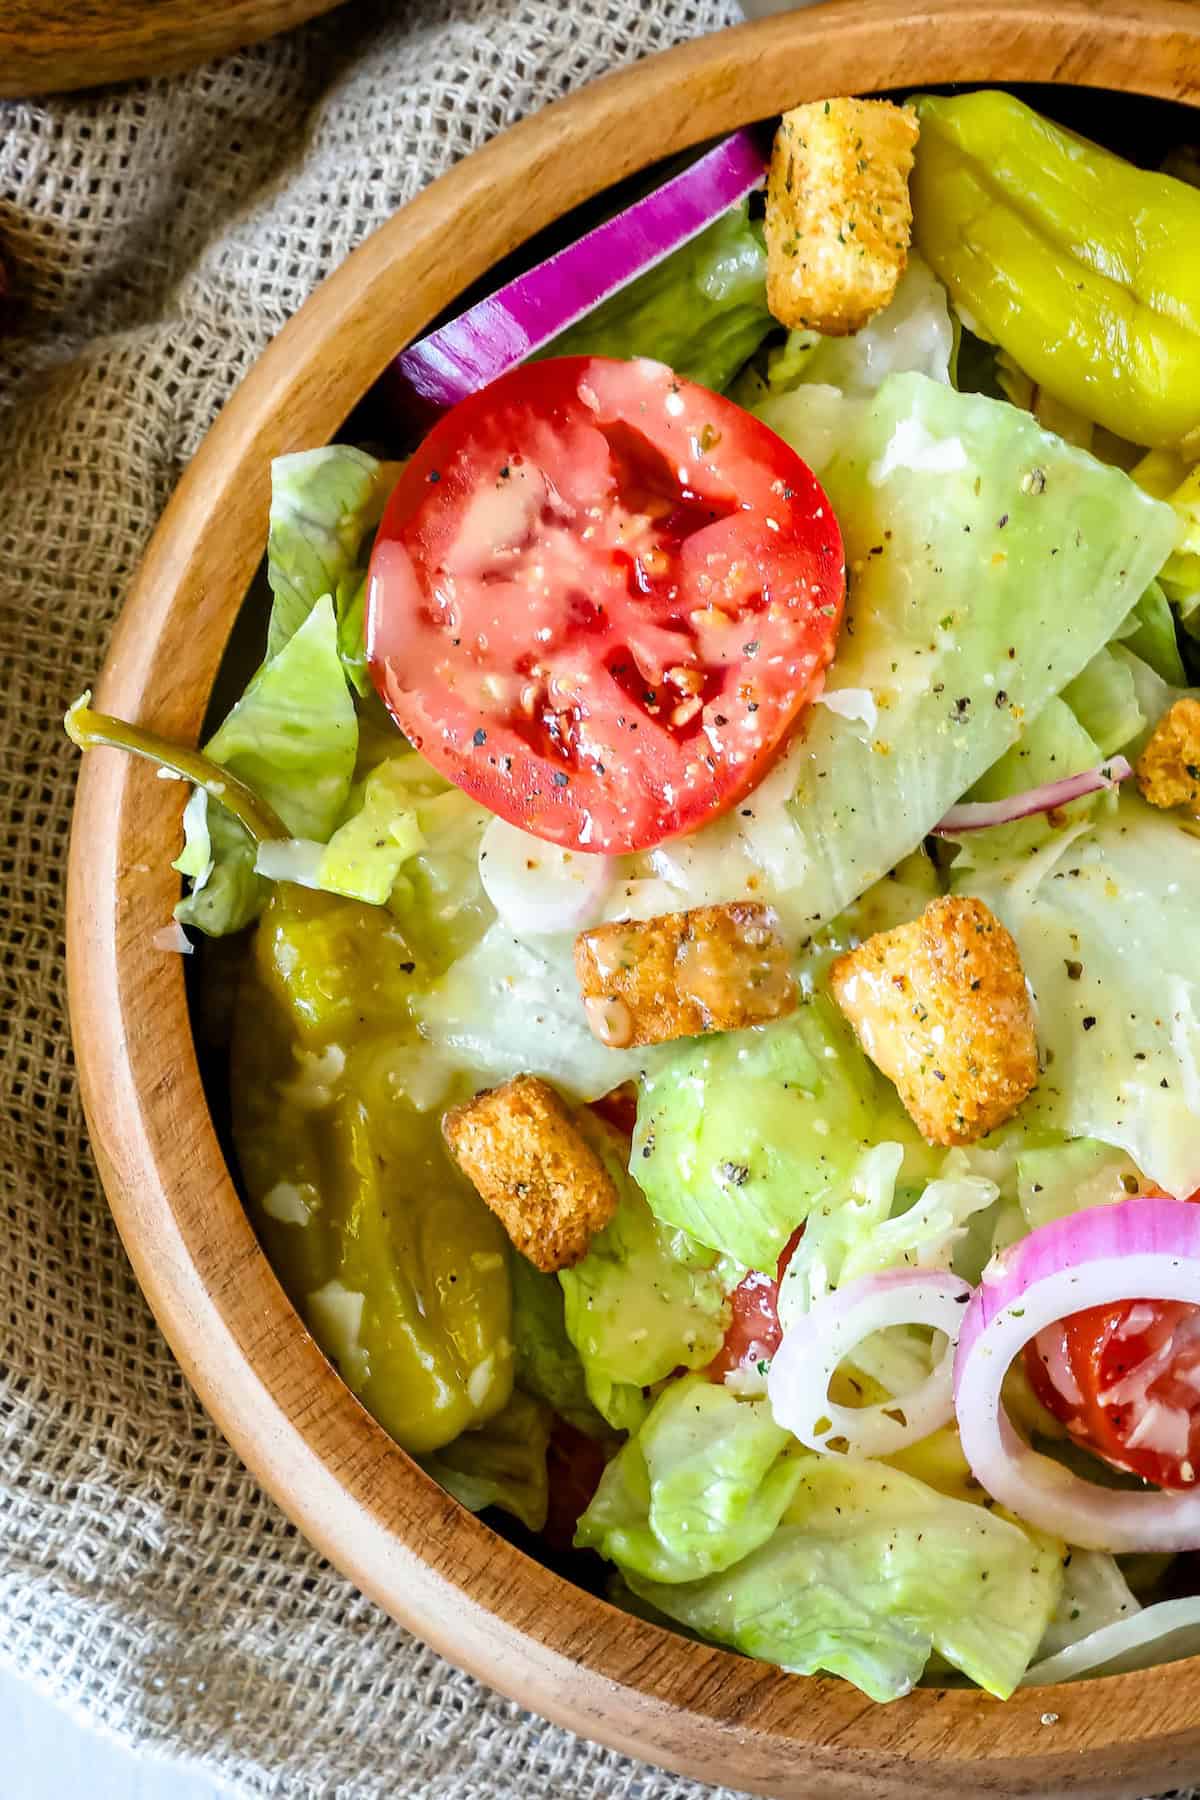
(293, 739)
(704, 1482)
(501, 1464)
(1104, 918)
(868, 1571)
(988, 562)
(645, 1301)
(323, 503)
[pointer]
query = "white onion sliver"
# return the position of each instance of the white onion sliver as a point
(1139, 1249)
(540, 888)
(856, 704)
(977, 815)
(1156, 1634)
(297, 860)
(803, 1365)
(172, 937)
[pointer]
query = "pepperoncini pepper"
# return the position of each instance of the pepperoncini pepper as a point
(396, 1264)
(1085, 269)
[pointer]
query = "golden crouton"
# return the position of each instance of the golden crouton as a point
(838, 213)
(533, 1166)
(716, 968)
(941, 1007)
(1168, 770)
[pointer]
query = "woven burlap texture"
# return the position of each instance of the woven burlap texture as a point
(156, 237)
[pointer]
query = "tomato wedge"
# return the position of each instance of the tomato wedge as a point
(1125, 1381)
(754, 1333)
(600, 597)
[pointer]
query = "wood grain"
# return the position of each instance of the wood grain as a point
(478, 1600)
(48, 46)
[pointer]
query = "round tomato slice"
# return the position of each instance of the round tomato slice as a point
(1125, 1381)
(599, 598)
(754, 1332)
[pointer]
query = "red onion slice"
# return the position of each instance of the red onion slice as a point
(977, 815)
(1138, 1249)
(801, 1370)
(502, 330)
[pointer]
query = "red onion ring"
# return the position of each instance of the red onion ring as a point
(503, 329)
(1146, 1248)
(802, 1367)
(977, 815)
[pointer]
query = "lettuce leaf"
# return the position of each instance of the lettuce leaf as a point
(1104, 699)
(741, 1136)
(1149, 633)
(644, 1301)
(989, 562)
(293, 738)
(703, 309)
(868, 1572)
(546, 1363)
(323, 503)
(1105, 920)
(502, 1464)
(912, 334)
(1054, 1180)
(509, 1007)
(1053, 745)
(704, 1482)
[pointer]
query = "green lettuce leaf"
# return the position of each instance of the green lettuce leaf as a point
(323, 503)
(645, 1300)
(1103, 698)
(989, 562)
(868, 1572)
(1054, 1180)
(1149, 633)
(546, 1363)
(703, 309)
(292, 738)
(1105, 920)
(502, 1464)
(508, 1007)
(1053, 745)
(703, 1483)
(740, 1137)
(912, 334)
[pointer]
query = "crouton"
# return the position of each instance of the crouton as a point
(715, 968)
(839, 216)
(534, 1167)
(941, 1007)
(1168, 770)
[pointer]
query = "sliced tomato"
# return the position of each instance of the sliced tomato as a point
(618, 1108)
(754, 1332)
(574, 1465)
(599, 599)
(1125, 1381)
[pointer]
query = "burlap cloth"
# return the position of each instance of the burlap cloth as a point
(156, 236)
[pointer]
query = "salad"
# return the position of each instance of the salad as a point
(711, 870)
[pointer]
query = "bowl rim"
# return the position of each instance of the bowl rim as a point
(378, 1517)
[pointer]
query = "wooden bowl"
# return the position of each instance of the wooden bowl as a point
(477, 1599)
(48, 46)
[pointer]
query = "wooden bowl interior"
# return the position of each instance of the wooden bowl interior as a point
(481, 1600)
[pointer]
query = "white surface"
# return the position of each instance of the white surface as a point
(47, 1756)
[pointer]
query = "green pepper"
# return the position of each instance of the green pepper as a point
(396, 1264)
(1083, 268)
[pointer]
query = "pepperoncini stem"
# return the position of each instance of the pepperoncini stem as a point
(90, 730)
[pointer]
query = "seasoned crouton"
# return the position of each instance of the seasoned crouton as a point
(1168, 770)
(941, 1007)
(715, 968)
(838, 213)
(534, 1167)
